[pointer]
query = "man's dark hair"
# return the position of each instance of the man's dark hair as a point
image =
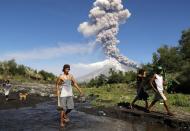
(66, 66)
(141, 71)
(159, 69)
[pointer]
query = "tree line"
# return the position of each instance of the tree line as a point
(10, 69)
(113, 78)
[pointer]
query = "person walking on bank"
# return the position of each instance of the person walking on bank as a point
(158, 81)
(141, 94)
(65, 92)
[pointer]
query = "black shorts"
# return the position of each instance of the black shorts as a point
(141, 94)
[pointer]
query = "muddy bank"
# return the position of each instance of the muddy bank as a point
(122, 112)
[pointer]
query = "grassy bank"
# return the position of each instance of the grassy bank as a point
(111, 95)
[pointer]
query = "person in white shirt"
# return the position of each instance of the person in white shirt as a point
(65, 93)
(157, 83)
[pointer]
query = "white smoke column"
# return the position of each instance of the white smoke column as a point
(105, 18)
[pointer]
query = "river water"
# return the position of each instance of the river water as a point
(45, 117)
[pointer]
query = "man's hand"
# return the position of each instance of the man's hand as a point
(156, 91)
(58, 93)
(165, 83)
(81, 94)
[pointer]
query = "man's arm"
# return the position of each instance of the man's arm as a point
(151, 83)
(139, 75)
(59, 80)
(76, 85)
(144, 75)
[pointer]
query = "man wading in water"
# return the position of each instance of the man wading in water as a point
(157, 83)
(64, 91)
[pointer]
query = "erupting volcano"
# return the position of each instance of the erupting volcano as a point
(104, 20)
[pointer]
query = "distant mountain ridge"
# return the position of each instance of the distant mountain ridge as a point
(104, 67)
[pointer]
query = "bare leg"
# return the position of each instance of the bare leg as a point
(62, 118)
(167, 109)
(7, 97)
(151, 105)
(146, 104)
(66, 115)
(132, 104)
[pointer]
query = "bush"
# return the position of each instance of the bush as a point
(180, 100)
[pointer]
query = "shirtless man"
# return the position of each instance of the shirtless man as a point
(65, 92)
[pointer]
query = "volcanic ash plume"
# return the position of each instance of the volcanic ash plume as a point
(105, 18)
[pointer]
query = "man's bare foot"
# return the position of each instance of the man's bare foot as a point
(66, 119)
(62, 123)
(131, 106)
(147, 110)
(170, 114)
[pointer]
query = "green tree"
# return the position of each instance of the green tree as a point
(185, 44)
(21, 70)
(12, 67)
(101, 80)
(184, 77)
(169, 58)
(47, 76)
(130, 76)
(92, 83)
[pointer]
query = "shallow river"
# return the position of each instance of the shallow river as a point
(45, 117)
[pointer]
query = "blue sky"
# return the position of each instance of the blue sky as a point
(33, 28)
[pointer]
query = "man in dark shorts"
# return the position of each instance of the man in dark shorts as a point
(64, 91)
(141, 93)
